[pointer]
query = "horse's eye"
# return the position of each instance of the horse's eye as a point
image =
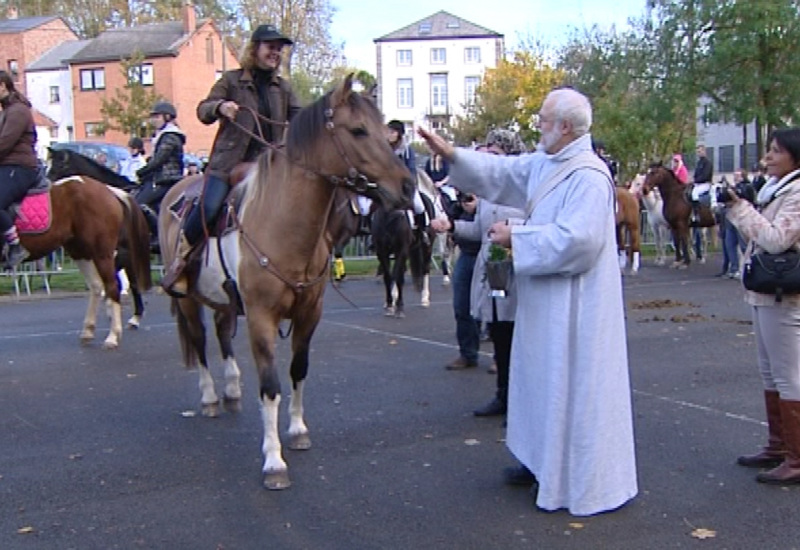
(359, 132)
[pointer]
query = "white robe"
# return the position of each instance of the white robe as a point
(569, 412)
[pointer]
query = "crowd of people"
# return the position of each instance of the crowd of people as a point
(550, 213)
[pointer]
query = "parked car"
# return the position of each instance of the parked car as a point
(116, 155)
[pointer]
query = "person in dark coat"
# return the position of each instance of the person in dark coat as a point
(255, 88)
(18, 162)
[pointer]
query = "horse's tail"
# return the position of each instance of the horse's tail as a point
(138, 233)
(188, 351)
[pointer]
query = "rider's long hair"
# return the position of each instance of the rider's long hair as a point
(6, 79)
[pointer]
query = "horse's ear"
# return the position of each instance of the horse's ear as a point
(343, 90)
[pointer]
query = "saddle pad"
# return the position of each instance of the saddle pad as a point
(34, 215)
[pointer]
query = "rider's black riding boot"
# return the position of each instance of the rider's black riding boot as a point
(152, 224)
(421, 221)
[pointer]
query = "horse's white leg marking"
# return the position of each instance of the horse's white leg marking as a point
(95, 285)
(233, 386)
(622, 257)
(635, 263)
(206, 385)
(394, 292)
(134, 321)
(426, 291)
(114, 312)
(298, 431)
(275, 471)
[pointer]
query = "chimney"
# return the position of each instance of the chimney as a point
(12, 12)
(189, 18)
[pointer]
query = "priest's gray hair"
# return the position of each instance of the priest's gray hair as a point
(574, 107)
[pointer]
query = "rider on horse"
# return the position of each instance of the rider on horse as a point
(19, 166)
(396, 133)
(251, 101)
(165, 167)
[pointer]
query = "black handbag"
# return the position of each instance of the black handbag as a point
(776, 274)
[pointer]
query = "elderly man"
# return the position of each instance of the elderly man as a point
(569, 410)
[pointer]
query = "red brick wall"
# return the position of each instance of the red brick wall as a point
(183, 80)
(28, 46)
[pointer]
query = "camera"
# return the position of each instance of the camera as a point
(743, 190)
(722, 193)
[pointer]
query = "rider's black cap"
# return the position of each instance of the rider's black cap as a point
(268, 33)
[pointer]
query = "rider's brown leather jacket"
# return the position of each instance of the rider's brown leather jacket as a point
(231, 143)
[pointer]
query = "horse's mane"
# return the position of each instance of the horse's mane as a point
(106, 174)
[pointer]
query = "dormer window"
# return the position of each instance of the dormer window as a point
(425, 28)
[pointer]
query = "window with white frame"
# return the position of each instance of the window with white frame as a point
(55, 94)
(93, 79)
(143, 74)
(470, 86)
(13, 68)
(404, 58)
(472, 55)
(438, 56)
(405, 93)
(94, 129)
(438, 90)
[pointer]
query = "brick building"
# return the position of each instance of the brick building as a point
(182, 60)
(25, 39)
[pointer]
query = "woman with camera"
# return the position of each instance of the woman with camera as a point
(772, 225)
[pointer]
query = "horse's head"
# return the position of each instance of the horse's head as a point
(656, 177)
(341, 136)
(58, 164)
(637, 186)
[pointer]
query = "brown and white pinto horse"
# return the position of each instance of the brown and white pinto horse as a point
(87, 220)
(677, 210)
(279, 253)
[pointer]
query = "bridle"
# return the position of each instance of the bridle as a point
(354, 181)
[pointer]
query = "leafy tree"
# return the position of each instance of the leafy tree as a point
(509, 96)
(129, 110)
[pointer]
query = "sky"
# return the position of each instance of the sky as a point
(358, 22)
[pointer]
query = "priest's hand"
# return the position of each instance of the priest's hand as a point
(437, 144)
(500, 234)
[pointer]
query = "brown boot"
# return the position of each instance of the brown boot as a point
(174, 281)
(775, 451)
(788, 473)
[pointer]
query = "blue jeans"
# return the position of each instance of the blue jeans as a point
(730, 245)
(466, 326)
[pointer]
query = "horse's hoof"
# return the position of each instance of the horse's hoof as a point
(231, 404)
(388, 311)
(133, 324)
(683, 266)
(110, 345)
(425, 303)
(277, 481)
(400, 314)
(299, 442)
(210, 410)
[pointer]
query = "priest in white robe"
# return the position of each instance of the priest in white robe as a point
(569, 412)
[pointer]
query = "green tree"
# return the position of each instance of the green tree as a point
(509, 96)
(128, 111)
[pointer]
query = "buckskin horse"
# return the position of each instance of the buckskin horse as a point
(279, 255)
(87, 219)
(65, 163)
(677, 210)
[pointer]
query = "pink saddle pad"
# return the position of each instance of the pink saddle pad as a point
(34, 214)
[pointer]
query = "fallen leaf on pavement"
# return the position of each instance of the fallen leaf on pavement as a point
(25, 530)
(702, 533)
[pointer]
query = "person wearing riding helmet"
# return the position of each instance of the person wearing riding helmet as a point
(396, 131)
(234, 100)
(19, 167)
(165, 167)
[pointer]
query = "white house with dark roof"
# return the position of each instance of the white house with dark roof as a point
(49, 86)
(428, 71)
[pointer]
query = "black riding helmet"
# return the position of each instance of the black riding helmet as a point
(397, 126)
(136, 143)
(164, 108)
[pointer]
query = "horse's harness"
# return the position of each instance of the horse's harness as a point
(354, 181)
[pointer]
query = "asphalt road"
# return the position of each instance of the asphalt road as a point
(100, 449)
